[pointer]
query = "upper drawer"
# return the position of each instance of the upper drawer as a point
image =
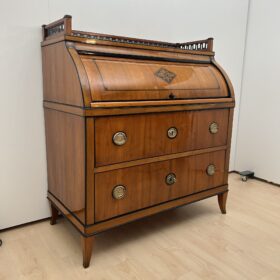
(150, 135)
(126, 79)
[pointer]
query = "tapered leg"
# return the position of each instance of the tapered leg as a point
(87, 244)
(222, 199)
(54, 214)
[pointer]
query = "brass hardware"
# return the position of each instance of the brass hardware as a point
(172, 132)
(170, 179)
(211, 169)
(119, 192)
(119, 138)
(213, 128)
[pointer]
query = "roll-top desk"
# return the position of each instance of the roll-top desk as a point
(133, 127)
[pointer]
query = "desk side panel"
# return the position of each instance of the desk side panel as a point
(65, 140)
(60, 77)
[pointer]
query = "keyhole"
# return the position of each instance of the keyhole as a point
(172, 96)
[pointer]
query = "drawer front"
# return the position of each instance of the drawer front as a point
(129, 189)
(150, 135)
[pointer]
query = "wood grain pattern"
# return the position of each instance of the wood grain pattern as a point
(60, 78)
(119, 79)
(147, 134)
(82, 76)
(145, 184)
(66, 159)
(90, 156)
(87, 245)
(222, 200)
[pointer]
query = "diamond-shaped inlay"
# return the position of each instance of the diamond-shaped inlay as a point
(165, 75)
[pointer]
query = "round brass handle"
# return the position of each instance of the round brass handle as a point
(172, 132)
(213, 128)
(119, 138)
(170, 179)
(119, 192)
(211, 169)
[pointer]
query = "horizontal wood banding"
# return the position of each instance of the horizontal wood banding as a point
(158, 102)
(156, 159)
(96, 112)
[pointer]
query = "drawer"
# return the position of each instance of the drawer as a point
(150, 135)
(126, 190)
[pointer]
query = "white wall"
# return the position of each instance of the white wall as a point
(259, 125)
(23, 185)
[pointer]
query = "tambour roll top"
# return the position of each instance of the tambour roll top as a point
(111, 69)
(127, 79)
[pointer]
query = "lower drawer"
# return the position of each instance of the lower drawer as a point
(125, 190)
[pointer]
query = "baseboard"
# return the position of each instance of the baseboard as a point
(26, 224)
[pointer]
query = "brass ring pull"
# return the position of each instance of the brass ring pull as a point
(211, 169)
(213, 128)
(172, 132)
(119, 192)
(170, 179)
(119, 138)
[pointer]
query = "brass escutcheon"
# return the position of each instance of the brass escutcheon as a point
(119, 192)
(213, 128)
(119, 138)
(170, 179)
(211, 169)
(172, 132)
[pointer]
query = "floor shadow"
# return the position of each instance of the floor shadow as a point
(150, 226)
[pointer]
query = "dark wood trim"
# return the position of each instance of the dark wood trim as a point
(90, 155)
(227, 156)
(67, 213)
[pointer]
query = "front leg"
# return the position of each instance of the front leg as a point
(87, 245)
(222, 199)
